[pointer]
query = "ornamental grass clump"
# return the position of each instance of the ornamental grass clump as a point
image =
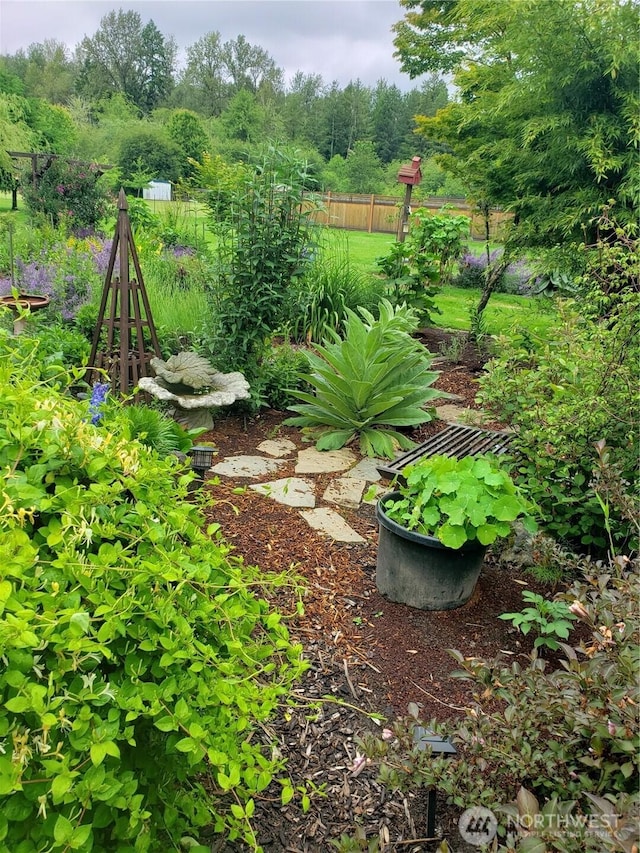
(138, 656)
(459, 500)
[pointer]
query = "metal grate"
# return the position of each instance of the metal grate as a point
(454, 440)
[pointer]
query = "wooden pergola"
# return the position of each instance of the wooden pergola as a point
(40, 162)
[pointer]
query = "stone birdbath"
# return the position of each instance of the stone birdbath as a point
(22, 303)
(194, 388)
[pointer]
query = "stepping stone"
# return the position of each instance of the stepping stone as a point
(314, 461)
(290, 491)
(452, 414)
(247, 466)
(461, 415)
(366, 469)
(326, 521)
(280, 448)
(345, 491)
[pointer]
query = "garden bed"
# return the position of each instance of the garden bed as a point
(367, 652)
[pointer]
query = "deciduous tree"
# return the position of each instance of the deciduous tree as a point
(185, 129)
(546, 119)
(50, 73)
(151, 153)
(363, 169)
(15, 135)
(125, 56)
(203, 80)
(249, 66)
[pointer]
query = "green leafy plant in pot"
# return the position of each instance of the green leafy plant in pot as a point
(436, 525)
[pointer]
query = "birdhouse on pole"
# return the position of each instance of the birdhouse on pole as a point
(410, 175)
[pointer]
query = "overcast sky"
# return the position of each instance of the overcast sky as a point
(342, 40)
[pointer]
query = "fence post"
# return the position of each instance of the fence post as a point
(371, 207)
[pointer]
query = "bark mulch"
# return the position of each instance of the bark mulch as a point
(366, 654)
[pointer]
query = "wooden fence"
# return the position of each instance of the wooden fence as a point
(380, 213)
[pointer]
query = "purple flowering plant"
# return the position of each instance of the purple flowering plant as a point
(96, 403)
(69, 273)
(67, 194)
(472, 269)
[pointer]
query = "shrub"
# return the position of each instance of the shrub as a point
(67, 194)
(472, 271)
(581, 387)
(376, 377)
(137, 654)
(86, 320)
(60, 344)
(280, 376)
(424, 259)
(436, 240)
(611, 273)
(261, 252)
(407, 284)
(150, 155)
(552, 735)
(218, 183)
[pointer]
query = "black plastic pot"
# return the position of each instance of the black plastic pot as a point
(419, 570)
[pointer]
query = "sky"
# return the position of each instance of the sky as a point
(341, 40)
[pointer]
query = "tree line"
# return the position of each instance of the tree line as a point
(119, 97)
(544, 121)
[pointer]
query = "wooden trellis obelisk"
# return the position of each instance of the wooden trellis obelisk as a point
(121, 352)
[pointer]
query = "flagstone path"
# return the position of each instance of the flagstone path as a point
(350, 487)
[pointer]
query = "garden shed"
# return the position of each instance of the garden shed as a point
(157, 191)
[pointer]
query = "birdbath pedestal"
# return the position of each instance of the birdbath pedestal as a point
(21, 303)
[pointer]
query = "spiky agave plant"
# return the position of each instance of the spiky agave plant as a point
(366, 384)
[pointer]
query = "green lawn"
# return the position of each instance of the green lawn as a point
(503, 313)
(362, 249)
(21, 215)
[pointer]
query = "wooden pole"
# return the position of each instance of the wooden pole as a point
(404, 215)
